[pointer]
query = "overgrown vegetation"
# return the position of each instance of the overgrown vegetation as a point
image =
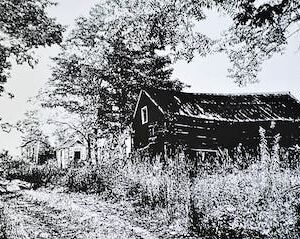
(228, 199)
(38, 175)
(2, 223)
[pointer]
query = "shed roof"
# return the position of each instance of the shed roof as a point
(228, 107)
(69, 143)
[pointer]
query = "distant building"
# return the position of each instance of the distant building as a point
(71, 151)
(205, 122)
(37, 151)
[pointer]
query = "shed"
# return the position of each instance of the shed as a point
(202, 122)
(71, 151)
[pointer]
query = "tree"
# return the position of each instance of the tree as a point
(68, 127)
(24, 26)
(33, 137)
(103, 77)
(126, 45)
(100, 48)
(259, 29)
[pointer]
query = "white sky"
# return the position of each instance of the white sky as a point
(281, 73)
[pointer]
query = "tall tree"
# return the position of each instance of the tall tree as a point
(33, 135)
(24, 26)
(117, 49)
(259, 29)
(104, 78)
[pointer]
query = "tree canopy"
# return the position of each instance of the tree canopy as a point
(24, 26)
(123, 46)
(31, 128)
(259, 29)
(104, 78)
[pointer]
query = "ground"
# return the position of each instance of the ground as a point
(56, 214)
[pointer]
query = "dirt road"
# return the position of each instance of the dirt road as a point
(53, 214)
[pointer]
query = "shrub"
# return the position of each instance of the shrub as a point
(86, 178)
(160, 184)
(257, 202)
(38, 175)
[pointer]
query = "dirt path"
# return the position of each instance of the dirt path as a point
(50, 214)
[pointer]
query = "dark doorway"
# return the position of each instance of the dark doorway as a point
(76, 155)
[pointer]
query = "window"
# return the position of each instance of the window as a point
(144, 115)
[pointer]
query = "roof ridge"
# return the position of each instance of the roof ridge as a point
(225, 94)
(240, 94)
(253, 106)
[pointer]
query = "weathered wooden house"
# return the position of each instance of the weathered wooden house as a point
(206, 122)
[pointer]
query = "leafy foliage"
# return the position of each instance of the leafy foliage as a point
(34, 137)
(252, 203)
(108, 93)
(101, 74)
(38, 175)
(88, 179)
(259, 29)
(24, 26)
(257, 202)
(31, 128)
(3, 223)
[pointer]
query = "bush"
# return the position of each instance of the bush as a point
(257, 202)
(87, 178)
(38, 175)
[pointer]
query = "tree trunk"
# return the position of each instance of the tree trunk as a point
(89, 149)
(37, 153)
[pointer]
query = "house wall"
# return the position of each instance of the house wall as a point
(140, 134)
(206, 134)
(28, 152)
(196, 134)
(248, 133)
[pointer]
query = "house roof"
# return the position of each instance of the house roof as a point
(69, 143)
(34, 141)
(228, 107)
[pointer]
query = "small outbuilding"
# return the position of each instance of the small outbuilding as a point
(166, 119)
(71, 151)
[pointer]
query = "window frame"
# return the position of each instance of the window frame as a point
(144, 117)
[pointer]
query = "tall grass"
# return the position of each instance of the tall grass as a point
(162, 183)
(261, 201)
(3, 223)
(245, 195)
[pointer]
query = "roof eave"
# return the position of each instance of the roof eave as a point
(152, 100)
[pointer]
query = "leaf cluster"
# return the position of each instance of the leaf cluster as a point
(24, 26)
